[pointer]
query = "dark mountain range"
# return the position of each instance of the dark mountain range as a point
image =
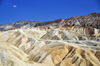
(22, 23)
(91, 20)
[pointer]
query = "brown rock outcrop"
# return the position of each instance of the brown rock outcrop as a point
(91, 20)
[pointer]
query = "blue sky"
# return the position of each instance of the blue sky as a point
(45, 10)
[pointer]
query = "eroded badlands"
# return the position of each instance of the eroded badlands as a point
(63, 46)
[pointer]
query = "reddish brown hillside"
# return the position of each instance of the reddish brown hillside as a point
(91, 20)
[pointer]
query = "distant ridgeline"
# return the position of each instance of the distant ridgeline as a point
(91, 20)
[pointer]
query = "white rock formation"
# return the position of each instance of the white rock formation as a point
(50, 47)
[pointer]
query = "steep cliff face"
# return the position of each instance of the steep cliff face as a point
(56, 43)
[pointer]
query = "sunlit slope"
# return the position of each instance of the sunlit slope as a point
(47, 47)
